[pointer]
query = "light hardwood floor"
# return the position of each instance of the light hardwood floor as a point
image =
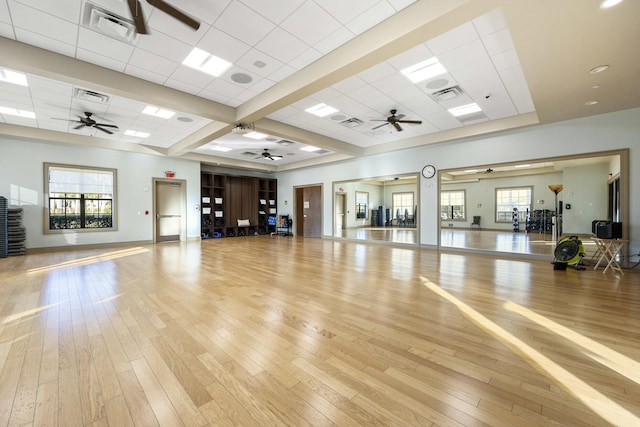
(275, 330)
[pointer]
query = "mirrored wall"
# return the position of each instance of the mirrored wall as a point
(381, 209)
(527, 207)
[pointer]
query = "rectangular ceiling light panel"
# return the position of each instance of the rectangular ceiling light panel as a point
(206, 62)
(424, 70)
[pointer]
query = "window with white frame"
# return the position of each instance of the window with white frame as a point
(509, 198)
(79, 197)
(452, 205)
(362, 205)
(403, 205)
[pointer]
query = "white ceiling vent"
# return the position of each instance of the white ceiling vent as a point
(322, 151)
(89, 95)
(447, 94)
(285, 142)
(108, 23)
(352, 122)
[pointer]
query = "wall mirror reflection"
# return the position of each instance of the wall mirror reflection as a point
(380, 209)
(527, 207)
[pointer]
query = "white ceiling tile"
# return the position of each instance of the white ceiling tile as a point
(305, 58)
(41, 84)
(411, 57)
(298, 23)
(165, 46)
(192, 76)
(377, 72)
(516, 84)
(4, 12)
(346, 14)
(261, 85)
(268, 63)
(463, 56)
(6, 31)
(244, 24)
(38, 22)
(104, 45)
(182, 86)
(334, 40)
(274, 14)
(498, 42)
(506, 59)
(349, 84)
(282, 73)
(282, 45)
(12, 89)
(101, 60)
(369, 18)
(453, 39)
(45, 42)
(154, 63)
(223, 88)
(401, 4)
(194, 9)
(223, 45)
(490, 22)
(64, 9)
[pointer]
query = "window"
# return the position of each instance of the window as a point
(79, 197)
(509, 198)
(403, 205)
(362, 205)
(452, 205)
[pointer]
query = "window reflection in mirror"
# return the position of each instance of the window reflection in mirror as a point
(381, 209)
(511, 207)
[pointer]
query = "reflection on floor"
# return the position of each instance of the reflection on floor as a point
(482, 240)
(385, 234)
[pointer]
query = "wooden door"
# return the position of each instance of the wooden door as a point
(309, 211)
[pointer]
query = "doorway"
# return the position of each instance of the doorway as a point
(340, 210)
(308, 210)
(170, 210)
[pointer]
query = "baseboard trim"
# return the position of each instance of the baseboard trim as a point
(65, 248)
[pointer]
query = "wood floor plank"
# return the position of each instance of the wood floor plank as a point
(331, 333)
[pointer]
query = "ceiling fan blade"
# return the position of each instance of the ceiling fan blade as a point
(379, 126)
(138, 18)
(81, 125)
(397, 126)
(103, 130)
(106, 125)
(177, 14)
(416, 122)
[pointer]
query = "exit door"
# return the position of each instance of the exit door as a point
(170, 210)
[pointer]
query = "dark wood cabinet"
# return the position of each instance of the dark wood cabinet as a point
(237, 205)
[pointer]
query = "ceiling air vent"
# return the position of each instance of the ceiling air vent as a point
(285, 142)
(321, 151)
(108, 23)
(89, 95)
(351, 123)
(447, 94)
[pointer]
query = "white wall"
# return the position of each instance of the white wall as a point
(21, 182)
(587, 135)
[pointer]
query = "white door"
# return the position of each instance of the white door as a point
(170, 210)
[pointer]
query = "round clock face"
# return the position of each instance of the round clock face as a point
(428, 171)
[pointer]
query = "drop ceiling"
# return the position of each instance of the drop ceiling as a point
(523, 63)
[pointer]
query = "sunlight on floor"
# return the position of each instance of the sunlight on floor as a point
(600, 353)
(592, 398)
(92, 259)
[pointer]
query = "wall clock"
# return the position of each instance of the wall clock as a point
(429, 171)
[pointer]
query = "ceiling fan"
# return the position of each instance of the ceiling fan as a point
(267, 155)
(87, 121)
(141, 27)
(395, 121)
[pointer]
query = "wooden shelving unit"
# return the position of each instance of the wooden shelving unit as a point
(229, 202)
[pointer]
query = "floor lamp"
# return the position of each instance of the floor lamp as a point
(556, 188)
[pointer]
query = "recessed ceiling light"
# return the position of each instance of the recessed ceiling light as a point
(599, 69)
(219, 148)
(609, 3)
(20, 113)
(595, 87)
(255, 135)
(471, 170)
(13, 77)
(158, 112)
(136, 133)
(321, 110)
(464, 109)
(522, 166)
(205, 62)
(310, 148)
(424, 70)
(590, 103)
